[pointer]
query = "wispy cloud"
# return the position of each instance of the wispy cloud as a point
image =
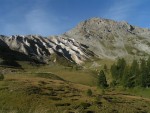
(39, 21)
(35, 20)
(121, 9)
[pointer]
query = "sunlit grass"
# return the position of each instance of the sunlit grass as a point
(58, 89)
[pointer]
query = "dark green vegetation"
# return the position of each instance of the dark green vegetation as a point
(1, 76)
(70, 89)
(102, 80)
(89, 92)
(135, 75)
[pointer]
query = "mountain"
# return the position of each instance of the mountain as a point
(98, 37)
(111, 39)
(42, 49)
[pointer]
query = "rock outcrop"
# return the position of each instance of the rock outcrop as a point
(40, 49)
(111, 39)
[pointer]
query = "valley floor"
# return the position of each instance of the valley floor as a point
(51, 90)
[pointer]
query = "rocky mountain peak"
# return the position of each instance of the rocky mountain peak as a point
(111, 39)
(104, 38)
(106, 26)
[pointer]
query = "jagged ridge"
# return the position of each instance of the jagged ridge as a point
(40, 48)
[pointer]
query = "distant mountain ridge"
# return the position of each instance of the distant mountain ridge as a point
(102, 38)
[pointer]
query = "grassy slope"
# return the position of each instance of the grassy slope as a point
(72, 74)
(54, 88)
(24, 94)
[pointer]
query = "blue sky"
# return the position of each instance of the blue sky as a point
(52, 17)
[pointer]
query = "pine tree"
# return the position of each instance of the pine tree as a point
(128, 79)
(105, 68)
(114, 71)
(144, 74)
(102, 82)
(134, 70)
(148, 73)
(117, 70)
(121, 64)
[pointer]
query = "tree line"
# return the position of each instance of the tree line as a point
(137, 74)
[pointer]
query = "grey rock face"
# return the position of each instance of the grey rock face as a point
(111, 39)
(40, 49)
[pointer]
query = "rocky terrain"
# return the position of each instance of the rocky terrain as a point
(111, 39)
(106, 39)
(40, 49)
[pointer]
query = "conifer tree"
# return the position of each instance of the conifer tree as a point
(102, 82)
(113, 71)
(128, 78)
(144, 74)
(105, 68)
(148, 73)
(134, 70)
(121, 64)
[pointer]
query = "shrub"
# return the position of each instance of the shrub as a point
(103, 92)
(10, 63)
(89, 92)
(1, 77)
(113, 83)
(84, 105)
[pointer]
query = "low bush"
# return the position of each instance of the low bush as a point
(89, 92)
(1, 77)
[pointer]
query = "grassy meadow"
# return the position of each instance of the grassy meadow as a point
(60, 89)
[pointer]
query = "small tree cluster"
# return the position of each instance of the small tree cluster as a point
(131, 76)
(117, 70)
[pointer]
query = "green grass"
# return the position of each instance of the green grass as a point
(55, 88)
(143, 92)
(73, 74)
(21, 94)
